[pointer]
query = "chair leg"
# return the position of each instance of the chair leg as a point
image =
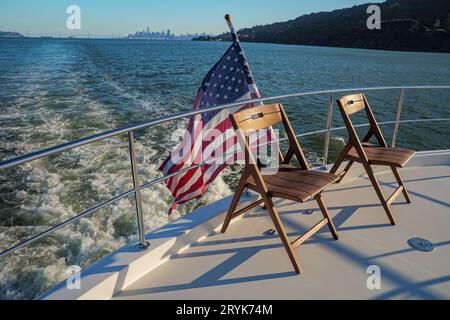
(326, 215)
(345, 171)
(337, 164)
(400, 183)
(380, 194)
(237, 196)
(282, 232)
(340, 158)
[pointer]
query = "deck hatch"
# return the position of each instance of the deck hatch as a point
(421, 244)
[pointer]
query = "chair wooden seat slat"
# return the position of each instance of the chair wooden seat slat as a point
(284, 181)
(296, 185)
(368, 154)
(395, 157)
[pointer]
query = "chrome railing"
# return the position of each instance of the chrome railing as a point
(137, 187)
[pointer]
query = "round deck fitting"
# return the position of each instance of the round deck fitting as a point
(270, 232)
(420, 244)
(309, 212)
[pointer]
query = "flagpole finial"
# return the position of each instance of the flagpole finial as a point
(228, 18)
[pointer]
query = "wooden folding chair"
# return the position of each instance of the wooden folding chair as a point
(368, 154)
(297, 184)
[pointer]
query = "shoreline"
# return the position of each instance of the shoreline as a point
(324, 46)
(226, 41)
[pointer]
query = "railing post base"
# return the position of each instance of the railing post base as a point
(143, 247)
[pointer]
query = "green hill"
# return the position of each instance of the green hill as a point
(413, 25)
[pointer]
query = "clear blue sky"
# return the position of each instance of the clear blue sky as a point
(120, 17)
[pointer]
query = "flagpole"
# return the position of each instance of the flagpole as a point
(230, 25)
(235, 37)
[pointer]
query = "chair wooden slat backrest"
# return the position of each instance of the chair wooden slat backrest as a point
(264, 117)
(352, 104)
(258, 118)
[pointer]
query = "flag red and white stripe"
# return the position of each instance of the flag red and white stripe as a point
(208, 137)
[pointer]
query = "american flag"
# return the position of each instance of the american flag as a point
(230, 80)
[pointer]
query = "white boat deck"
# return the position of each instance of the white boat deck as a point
(246, 263)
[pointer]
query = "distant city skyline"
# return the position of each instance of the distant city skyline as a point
(167, 35)
(120, 18)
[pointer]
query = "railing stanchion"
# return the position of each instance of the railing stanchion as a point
(143, 244)
(328, 133)
(397, 119)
